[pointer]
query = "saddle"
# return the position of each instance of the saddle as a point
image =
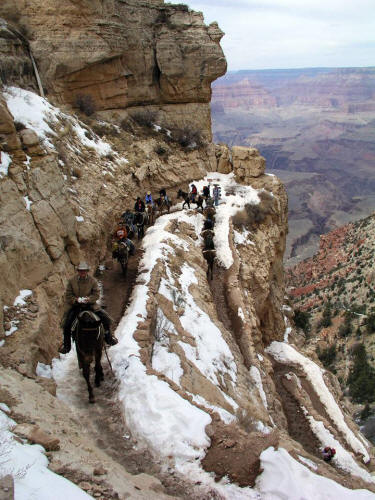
(91, 323)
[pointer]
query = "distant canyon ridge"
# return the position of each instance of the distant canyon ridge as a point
(316, 129)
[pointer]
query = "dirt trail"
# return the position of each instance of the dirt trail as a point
(104, 420)
(217, 286)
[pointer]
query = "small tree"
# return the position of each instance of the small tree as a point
(302, 320)
(327, 356)
(85, 103)
(327, 315)
(370, 323)
(361, 379)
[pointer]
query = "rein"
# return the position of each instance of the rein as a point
(105, 350)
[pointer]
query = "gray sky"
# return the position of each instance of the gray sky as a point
(292, 33)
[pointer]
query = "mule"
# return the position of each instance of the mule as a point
(163, 204)
(208, 238)
(209, 255)
(123, 256)
(139, 220)
(208, 224)
(89, 335)
(198, 200)
(186, 196)
(128, 218)
(150, 211)
(209, 213)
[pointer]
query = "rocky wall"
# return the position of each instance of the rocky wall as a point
(123, 54)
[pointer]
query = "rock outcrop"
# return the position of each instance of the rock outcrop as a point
(125, 55)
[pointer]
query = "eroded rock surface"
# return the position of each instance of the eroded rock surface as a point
(124, 54)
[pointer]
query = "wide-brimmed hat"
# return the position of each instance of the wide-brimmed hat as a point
(83, 266)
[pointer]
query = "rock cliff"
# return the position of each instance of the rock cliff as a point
(124, 54)
(208, 375)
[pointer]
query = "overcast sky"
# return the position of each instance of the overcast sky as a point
(263, 34)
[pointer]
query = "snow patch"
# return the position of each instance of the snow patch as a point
(43, 370)
(285, 478)
(20, 300)
(225, 416)
(6, 160)
(285, 353)
(28, 203)
(255, 375)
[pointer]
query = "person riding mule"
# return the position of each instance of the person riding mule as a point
(150, 208)
(139, 205)
(140, 219)
(128, 218)
(209, 252)
(121, 236)
(148, 199)
(83, 291)
(163, 194)
(163, 202)
(193, 192)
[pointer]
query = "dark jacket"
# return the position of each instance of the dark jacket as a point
(139, 206)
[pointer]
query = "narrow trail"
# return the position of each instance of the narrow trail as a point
(104, 421)
(217, 286)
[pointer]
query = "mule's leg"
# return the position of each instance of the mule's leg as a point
(99, 375)
(79, 358)
(86, 374)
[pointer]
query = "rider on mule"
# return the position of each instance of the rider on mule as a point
(163, 194)
(148, 199)
(139, 205)
(193, 192)
(83, 290)
(206, 192)
(121, 234)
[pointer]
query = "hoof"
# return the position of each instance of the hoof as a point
(92, 400)
(97, 383)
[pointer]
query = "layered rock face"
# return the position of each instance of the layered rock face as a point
(125, 54)
(243, 95)
(15, 62)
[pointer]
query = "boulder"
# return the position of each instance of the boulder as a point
(29, 137)
(7, 488)
(223, 157)
(247, 164)
(34, 434)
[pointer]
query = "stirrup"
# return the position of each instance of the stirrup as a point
(110, 340)
(64, 349)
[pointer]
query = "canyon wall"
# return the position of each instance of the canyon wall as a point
(124, 54)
